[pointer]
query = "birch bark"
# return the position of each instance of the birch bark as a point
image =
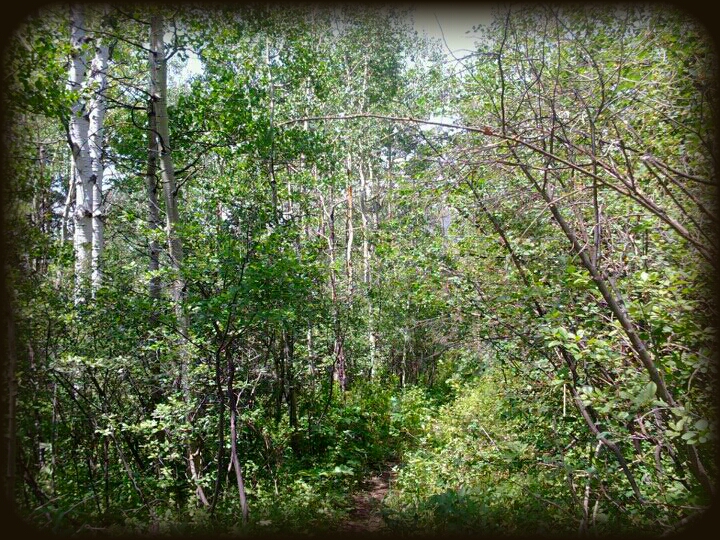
(365, 197)
(85, 136)
(98, 80)
(349, 231)
(78, 128)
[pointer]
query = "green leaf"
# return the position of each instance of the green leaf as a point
(646, 394)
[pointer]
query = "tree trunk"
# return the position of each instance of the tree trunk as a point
(158, 77)
(338, 353)
(79, 127)
(349, 231)
(98, 79)
(365, 196)
(85, 136)
(151, 185)
(154, 284)
(68, 202)
(220, 457)
(291, 396)
(233, 440)
(273, 181)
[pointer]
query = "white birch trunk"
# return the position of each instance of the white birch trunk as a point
(365, 196)
(349, 231)
(328, 213)
(79, 128)
(68, 202)
(98, 80)
(167, 170)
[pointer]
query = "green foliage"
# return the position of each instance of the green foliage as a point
(461, 340)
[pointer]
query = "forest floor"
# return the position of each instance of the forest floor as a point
(366, 513)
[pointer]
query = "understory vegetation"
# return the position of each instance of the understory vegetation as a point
(256, 256)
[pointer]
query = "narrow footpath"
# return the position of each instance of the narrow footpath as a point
(366, 514)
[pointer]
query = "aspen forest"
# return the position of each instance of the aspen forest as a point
(306, 269)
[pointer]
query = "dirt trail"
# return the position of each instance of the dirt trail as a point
(366, 516)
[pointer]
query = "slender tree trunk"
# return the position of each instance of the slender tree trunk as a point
(38, 202)
(78, 128)
(584, 523)
(291, 396)
(151, 187)
(220, 457)
(303, 166)
(158, 77)
(365, 196)
(349, 231)
(338, 353)
(154, 225)
(273, 180)
(98, 79)
(68, 202)
(167, 170)
(235, 462)
(311, 356)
